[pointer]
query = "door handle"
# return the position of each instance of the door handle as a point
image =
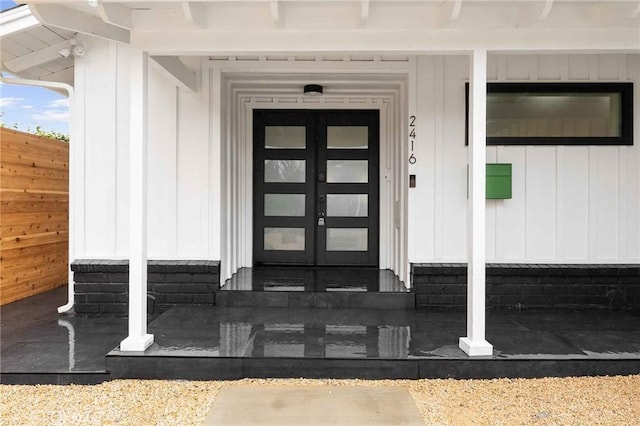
(321, 211)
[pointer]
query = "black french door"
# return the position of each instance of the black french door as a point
(315, 187)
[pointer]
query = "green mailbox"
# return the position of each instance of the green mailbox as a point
(498, 181)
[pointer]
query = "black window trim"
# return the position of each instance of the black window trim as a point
(626, 95)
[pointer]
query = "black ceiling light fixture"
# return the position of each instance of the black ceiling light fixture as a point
(312, 90)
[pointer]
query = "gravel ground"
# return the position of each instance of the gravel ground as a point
(550, 401)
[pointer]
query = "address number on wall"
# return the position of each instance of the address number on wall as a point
(412, 139)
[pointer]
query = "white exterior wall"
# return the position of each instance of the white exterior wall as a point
(570, 204)
(178, 190)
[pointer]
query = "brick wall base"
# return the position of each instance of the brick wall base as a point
(521, 286)
(101, 286)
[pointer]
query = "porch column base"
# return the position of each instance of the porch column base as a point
(475, 347)
(136, 343)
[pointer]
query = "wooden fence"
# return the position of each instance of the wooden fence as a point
(34, 214)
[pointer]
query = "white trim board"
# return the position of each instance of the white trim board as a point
(242, 93)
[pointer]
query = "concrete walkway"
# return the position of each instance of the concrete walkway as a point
(313, 405)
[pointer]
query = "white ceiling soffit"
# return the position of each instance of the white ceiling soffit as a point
(251, 15)
(31, 50)
(78, 20)
(169, 27)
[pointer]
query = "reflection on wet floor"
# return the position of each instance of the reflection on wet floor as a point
(298, 341)
(316, 279)
(375, 334)
(34, 342)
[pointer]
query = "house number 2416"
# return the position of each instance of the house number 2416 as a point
(412, 138)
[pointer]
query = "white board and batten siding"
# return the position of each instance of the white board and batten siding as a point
(571, 204)
(178, 150)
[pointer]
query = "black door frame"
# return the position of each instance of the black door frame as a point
(316, 156)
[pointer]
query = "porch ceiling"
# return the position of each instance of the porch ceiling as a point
(254, 15)
(32, 35)
(31, 50)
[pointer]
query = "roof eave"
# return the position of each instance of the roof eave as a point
(15, 20)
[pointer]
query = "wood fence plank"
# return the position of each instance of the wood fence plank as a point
(33, 239)
(42, 251)
(35, 182)
(28, 289)
(14, 157)
(35, 206)
(8, 169)
(26, 223)
(33, 144)
(34, 214)
(32, 263)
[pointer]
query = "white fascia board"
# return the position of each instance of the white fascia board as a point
(73, 20)
(440, 41)
(34, 59)
(184, 76)
(66, 76)
(16, 20)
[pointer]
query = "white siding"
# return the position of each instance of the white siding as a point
(570, 204)
(178, 159)
(540, 203)
(192, 176)
(162, 154)
(455, 157)
(426, 152)
(100, 141)
(573, 183)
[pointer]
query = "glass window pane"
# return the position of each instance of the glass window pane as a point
(284, 239)
(347, 171)
(284, 171)
(554, 114)
(285, 137)
(347, 205)
(347, 239)
(347, 137)
(284, 204)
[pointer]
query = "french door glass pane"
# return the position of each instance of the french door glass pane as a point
(347, 137)
(284, 204)
(285, 137)
(292, 171)
(347, 239)
(347, 171)
(347, 205)
(284, 239)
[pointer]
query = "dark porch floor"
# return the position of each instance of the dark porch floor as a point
(315, 287)
(40, 346)
(315, 279)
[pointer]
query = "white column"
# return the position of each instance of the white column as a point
(138, 339)
(474, 344)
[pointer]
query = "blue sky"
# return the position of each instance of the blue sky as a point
(6, 4)
(28, 107)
